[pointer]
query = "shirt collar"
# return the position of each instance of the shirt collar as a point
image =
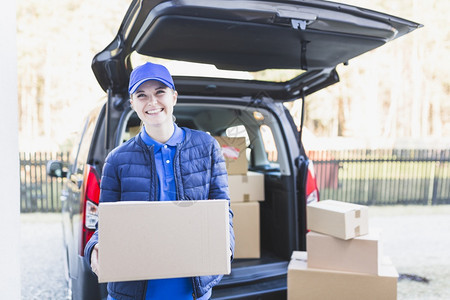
(176, 138)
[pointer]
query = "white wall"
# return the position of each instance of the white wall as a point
(9, 157)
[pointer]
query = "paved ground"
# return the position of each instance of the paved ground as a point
(416, 238)
(42, 271)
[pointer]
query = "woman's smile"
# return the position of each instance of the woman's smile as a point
(154, 111)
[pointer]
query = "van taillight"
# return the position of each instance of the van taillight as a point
(89, 206)
(312, 191)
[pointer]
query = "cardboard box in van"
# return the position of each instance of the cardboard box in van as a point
(234, 152)
(246, 229)
(248, 187)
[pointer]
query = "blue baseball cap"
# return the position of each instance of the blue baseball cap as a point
(149, 71)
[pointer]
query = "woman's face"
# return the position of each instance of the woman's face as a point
(153, 102)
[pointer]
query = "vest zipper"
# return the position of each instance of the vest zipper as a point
(145, 290)
(193, 289)
(175, 160)
(151, 153)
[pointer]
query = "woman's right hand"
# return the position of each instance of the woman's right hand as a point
(94, 260)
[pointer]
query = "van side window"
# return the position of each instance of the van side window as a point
(269, 143)
(73, 157)
(261, 145)
(85, 144)
(132, 128)
(80, 151)
(240, 131)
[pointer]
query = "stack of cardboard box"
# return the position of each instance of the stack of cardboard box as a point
(246, 189)
(343, 259)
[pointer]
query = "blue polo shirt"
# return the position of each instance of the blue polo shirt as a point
(164, 155)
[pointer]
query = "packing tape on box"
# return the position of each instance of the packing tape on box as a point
(246, 197)
(357, 216)
(244, 179)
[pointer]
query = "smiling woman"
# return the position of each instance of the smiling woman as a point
(153, 96)
(162, 163)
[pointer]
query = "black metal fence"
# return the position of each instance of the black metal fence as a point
(369, 177)
(39, 192)
(384, 177)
